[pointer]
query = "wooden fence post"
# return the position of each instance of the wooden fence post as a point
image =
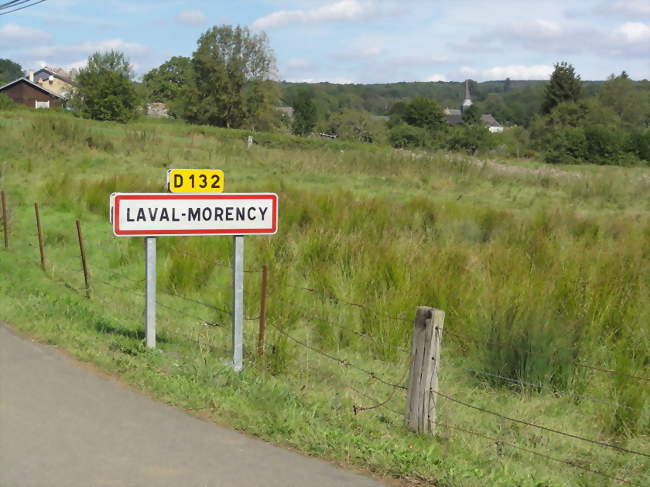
(425, 363)
(40, 235)
(5, 224)
(82, 251)
(263, 291)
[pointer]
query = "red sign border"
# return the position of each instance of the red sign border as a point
(117, 197)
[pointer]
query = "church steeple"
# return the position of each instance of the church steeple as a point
(467, 102)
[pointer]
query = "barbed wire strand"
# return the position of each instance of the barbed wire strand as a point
(511, 445)
(348, 303)
(194, 301)
(544, 428)
(308, 314)
(542, 455)
(166, 291)
(344, 362)
(539, 354)
(552, 389)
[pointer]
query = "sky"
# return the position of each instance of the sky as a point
(350, 41)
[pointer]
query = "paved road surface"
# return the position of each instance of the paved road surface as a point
(63, 426)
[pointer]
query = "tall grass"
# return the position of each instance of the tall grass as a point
(544, 269)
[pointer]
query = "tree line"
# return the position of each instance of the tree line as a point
(229, 81)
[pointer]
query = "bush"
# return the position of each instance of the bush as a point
(638, 144)
(404, 136)
(604, 144)
(470, 138)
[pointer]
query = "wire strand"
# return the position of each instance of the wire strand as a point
(347, 363)
(307, 314)
(544, 428)
(575, 362)
(23, 7)
(348, 303)
(549, 388)
(542, 455)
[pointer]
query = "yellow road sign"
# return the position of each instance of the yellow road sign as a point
(195, 180)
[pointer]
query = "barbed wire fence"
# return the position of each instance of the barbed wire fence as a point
(396, 388)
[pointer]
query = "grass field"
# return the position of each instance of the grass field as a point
(542, 272)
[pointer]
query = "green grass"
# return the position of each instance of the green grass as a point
(540, 262)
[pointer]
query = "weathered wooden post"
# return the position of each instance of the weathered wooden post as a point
(425, 363)
(40, 235)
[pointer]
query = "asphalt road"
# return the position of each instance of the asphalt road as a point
(63, 425)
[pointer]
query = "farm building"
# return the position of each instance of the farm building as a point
(30, 94)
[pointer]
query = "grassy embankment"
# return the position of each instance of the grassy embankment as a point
(548, 266)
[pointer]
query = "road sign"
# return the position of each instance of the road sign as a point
(164, 214)
(195, 180)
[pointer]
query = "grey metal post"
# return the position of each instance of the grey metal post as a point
(238, 302)
(150, 312)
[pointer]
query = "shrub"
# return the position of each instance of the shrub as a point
(470, 138)
(404, 136)
(604, 144)
(638, 144)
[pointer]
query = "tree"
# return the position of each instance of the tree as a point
(357, 125)
(166, 82)
(229, 83)
(9, 71)
(565, 85)
(426, 113)
(621, 95)
(471, 115)
(105, 90)
(304, 113)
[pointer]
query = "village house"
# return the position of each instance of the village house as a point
(31, 94)
(455, 116)
(54, 80)
(46, 88)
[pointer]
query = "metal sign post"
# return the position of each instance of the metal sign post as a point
(152, 215)
(150, 312)
(238, 302)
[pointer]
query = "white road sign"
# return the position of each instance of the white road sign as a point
(164, 214)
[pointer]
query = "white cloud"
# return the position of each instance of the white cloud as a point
(70, 52)
(192, 17)
(633, 32)
(341, 11)
(298, 63)
(437, 77)
(340, 80)
(540, 71)
(15, 36)
(631, 8)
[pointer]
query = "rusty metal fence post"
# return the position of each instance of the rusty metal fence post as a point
(40, 235)
(84, 264)
(5, 223)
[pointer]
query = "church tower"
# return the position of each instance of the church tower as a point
(467, 102)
